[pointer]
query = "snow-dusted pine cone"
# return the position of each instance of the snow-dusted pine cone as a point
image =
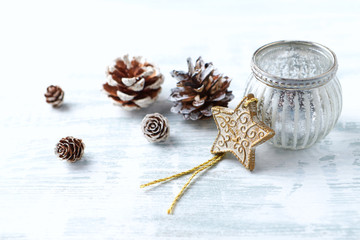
(155, 127)
(133, 84)
(54, 95)
(199, 89)
(70, 149)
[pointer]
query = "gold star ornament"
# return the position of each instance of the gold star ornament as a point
(240, 131)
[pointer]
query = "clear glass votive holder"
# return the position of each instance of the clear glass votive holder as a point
(299, 95)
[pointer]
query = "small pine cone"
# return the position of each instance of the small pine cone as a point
(70, 149)
(133, 84)
(54, 95)
(199, 89)
(155, 127)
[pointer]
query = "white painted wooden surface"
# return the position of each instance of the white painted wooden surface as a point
(309, 194)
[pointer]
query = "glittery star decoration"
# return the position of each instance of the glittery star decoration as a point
(240, 131)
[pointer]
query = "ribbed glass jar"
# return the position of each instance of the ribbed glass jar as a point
(298, 91)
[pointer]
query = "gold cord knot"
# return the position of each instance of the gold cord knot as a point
(247, 102)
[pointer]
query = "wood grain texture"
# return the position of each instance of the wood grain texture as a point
(307, 194)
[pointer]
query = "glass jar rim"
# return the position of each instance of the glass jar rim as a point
(294, 83)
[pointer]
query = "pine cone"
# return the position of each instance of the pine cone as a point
(199, 89)
(133, 84)
(155, 127)
(70, 149)
(54, 95)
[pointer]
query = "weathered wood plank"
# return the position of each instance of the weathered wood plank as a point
(308, 194)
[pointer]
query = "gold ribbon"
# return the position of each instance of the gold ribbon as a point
(211, 162)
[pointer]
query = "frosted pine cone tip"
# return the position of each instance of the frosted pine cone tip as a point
(133, 84)
(54, 95)
(155, 127)
(70, 149)
(199, 89)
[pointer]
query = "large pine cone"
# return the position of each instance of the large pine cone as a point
(133, 84)
(199, 89)
(54, 95)
(70, 149)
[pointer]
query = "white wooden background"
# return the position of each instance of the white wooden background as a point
(308, 194)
